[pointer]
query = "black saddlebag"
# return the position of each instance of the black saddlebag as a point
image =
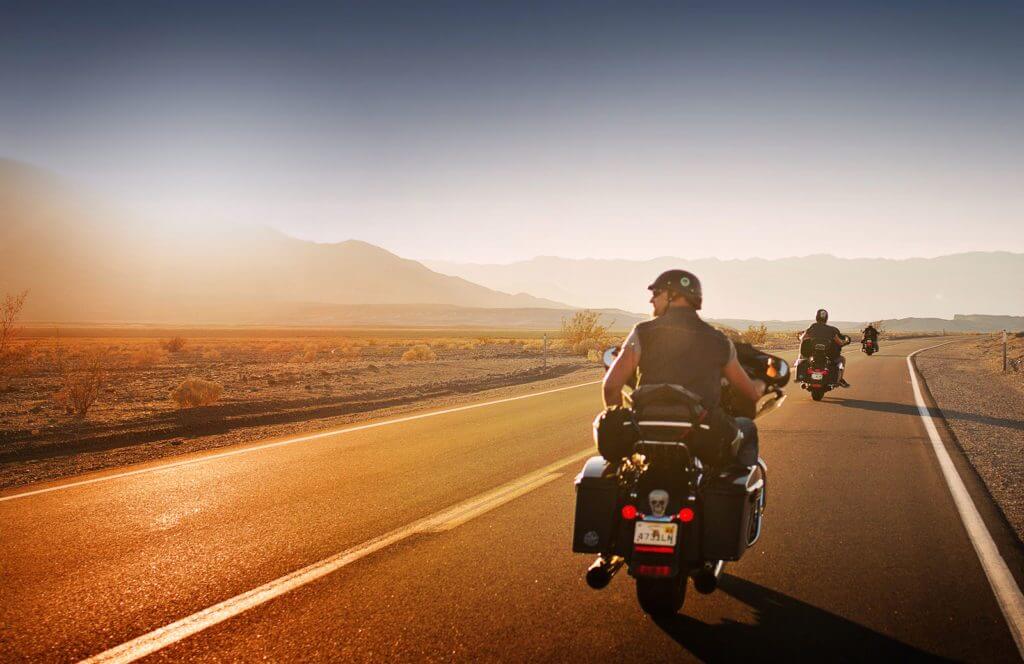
(596, 507)
(728, 511)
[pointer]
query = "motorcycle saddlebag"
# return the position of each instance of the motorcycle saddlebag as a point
(596, 503)
(728, 510)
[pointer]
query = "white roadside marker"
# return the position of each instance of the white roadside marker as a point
(282, 443)
(446, 519)
(1007, 592)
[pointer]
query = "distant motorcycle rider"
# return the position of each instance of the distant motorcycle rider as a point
(820, 330)
(870, 332)
(676, 347)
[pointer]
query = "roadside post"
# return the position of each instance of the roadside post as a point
(1004, 351)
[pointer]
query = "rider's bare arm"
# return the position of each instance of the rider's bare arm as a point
(618, 374)
(740, 381)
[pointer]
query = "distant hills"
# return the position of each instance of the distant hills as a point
(782, 289)
(83, 263)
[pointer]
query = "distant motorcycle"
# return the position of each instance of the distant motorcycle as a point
(869, 346)
(816, 370)
(658, 510)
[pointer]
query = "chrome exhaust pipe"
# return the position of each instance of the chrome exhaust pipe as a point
(601, 571)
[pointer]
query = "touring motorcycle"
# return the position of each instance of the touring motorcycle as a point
(654, 508)
(816, 371)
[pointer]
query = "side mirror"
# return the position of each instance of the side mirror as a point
(609, 356)
(778, 368)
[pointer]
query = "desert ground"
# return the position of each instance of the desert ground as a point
(984, 408)
(91, 398)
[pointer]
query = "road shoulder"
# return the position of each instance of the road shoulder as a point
(984, 411)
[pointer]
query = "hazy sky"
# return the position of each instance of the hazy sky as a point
(490, 132)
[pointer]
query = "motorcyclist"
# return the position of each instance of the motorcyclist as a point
(821, 330)
(871, 332)
(677, 347)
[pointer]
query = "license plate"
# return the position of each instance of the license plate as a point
(817, 376)
(655, 534)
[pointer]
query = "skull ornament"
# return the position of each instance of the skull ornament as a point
(659, 501)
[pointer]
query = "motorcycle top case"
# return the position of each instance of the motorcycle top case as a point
(596, 507)
(728, 511)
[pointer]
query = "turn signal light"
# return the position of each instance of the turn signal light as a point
(629, 512)
(686, 515)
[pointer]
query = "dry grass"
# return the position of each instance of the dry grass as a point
(419, 353)
(194, 392)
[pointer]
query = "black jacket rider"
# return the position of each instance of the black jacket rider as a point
(677, 347)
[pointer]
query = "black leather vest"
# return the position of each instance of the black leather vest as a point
(681, 349)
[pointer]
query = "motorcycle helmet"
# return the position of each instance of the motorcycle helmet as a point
(821, 316)
(682, 283)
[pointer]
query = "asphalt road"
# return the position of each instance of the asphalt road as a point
(454, 534)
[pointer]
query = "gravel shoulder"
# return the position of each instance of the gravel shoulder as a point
(984, 408)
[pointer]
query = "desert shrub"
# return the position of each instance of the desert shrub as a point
(212, 355)
(147, 356)
(194, 392)
(419, 353)
(755, 334)
(582, 333)
(594, 355)
(10, 309)
(730, 332)
(174, 344)
(82, 378)
(533, 345)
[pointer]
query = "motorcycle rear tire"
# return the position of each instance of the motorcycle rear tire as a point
(661, 597)
(817, 394)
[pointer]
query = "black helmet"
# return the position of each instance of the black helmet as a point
(821, 316)
(682, 283)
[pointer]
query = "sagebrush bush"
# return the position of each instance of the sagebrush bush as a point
(147, 356)
(81, 380)
(755, 334)
(194, 392)
(175, 344)
(419, 353)
(582, 333)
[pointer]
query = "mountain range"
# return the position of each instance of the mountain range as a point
(780, 289)
(83, 262)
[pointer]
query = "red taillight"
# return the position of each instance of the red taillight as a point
(686, 515)
(653, 570)
(629, 512)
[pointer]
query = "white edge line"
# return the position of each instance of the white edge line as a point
(1004, 586)
(289, 441)
(446, 519)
